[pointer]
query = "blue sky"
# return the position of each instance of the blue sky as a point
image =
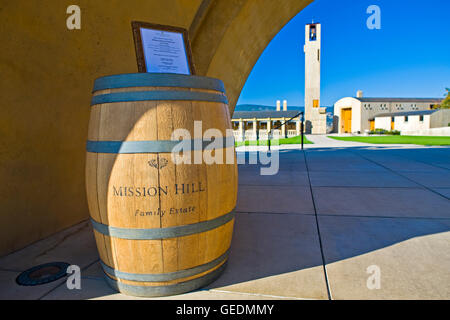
(408, 57)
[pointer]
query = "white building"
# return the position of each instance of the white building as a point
(256, 125)
(356, 115)
(425, 122)
(315, 116)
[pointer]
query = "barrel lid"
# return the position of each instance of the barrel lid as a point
(157, 80)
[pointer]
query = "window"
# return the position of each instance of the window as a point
(406, 118)
(421, 118)
(312, 33)
(315, 103)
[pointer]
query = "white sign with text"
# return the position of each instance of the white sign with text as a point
(164, 51)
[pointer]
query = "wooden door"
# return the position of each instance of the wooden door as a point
(346, 123)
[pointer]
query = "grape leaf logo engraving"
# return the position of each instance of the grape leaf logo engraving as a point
(162, 163)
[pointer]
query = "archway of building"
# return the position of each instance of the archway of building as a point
(50, 72)
(47, 77)
(228, 37)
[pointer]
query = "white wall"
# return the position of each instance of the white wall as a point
(433, 124)
(412, 124)
(363, 111)
(442, 132)
(383, 123)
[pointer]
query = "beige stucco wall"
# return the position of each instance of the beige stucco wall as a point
(46, 82)
(408, 106)
(440, 118)
(369, 110)
(316, 122)
(47, 77)
(233, 36)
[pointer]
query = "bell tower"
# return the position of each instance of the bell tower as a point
(315, 116)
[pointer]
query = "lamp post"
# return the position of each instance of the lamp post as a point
(302, 114)
(302, 126)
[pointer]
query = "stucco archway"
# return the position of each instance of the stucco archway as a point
(233, 34)
(47, 77)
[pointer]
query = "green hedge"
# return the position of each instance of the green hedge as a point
(382, 131)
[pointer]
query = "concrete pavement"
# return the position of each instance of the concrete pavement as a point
(330, 224)
(322, 141)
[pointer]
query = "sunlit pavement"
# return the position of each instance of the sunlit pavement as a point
(322, 141)
(336, 221)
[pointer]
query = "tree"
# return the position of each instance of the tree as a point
(446, 103)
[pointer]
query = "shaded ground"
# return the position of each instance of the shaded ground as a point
(310, 231)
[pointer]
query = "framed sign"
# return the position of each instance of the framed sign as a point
(162, 49)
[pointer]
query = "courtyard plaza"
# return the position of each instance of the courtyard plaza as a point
(315, 230)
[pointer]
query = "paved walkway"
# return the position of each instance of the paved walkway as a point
(324, 227)
(323, 141)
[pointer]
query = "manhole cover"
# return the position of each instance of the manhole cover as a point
(42, 274)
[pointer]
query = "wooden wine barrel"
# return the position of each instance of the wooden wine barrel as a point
(161, 227)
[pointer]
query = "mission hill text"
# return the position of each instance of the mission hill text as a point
(153, 191)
